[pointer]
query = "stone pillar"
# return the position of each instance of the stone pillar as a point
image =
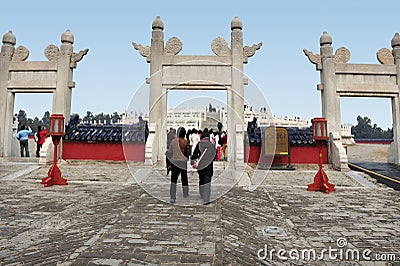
(329, 97)
(7, 51)
(61, 105)
(9, 138)
(395, 156)
(236, 95)
(62, 95)
(157, 112)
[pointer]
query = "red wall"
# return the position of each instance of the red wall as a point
(135, 152)
(298, 155)
(103, 151)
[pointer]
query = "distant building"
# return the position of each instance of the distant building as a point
(210, 116)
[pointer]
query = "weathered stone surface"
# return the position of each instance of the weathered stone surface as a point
(114, 222)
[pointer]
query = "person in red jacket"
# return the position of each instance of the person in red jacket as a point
(41, 135)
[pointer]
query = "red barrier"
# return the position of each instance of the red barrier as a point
(103, 151)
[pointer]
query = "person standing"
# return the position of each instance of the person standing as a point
(205, 151)
(178, 154)
(224, 141)
(194, 138)
(23, 136)
(171, 134)
(41, 135)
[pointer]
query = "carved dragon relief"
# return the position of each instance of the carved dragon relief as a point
(76, 57)
(342, 55)
(385, 56)
(249, 51)
(173, 46)
(52, 52)
(314, 58)
(143, 50)
(220, 47)
(20, 54)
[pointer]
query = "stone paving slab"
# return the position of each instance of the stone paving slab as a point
(103, 218)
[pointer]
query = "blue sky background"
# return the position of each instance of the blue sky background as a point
(108, 76)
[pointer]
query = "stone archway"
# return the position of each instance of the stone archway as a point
(20, 76)
(168, 70)
(340, 79)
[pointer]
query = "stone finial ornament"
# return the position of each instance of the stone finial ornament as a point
(20, 54)
(67, 37)
(220, 47)
(173, 46)
(249, 51)
(314, 58)
(143, 50)
(236, 24)
(9, 38)
(342, 55)
(157, 24)
(52, 52)
(395, 41)
(385, 56)
(325, 39)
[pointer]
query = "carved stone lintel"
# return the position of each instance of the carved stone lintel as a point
(342, 55)
(76, 57)
(173, 46)
(52, 52)
(385, 56)
(314, 58)
(249, 51)
(20, 54)
(220, 47)
(143, 50)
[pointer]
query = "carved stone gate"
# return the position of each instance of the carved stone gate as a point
(340, 79)
(169, 71)
(20, 76)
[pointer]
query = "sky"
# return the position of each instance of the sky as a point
(108, 76)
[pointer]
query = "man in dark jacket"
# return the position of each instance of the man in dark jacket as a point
(205, 150)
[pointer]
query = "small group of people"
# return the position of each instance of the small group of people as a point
(200, 150)
(23, 137)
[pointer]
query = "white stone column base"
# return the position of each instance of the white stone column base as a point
(338, 152)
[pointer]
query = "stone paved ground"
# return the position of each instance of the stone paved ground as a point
(103, 218)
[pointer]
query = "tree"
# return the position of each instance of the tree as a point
(115, 117)
(46, 120)
(364, 130)
(88, 118)
(22, 119)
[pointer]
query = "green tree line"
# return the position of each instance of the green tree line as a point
(90, 117)
(365, 130)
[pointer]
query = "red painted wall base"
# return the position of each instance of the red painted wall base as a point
(298, 155)
(103, 151)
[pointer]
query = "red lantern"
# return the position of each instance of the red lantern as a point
(57, 125)
(320, 131)
(54, 176)
(320, 135)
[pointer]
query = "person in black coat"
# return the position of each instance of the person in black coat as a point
(205, 150)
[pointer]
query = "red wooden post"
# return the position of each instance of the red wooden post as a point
(320, 135)
(54, 176)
